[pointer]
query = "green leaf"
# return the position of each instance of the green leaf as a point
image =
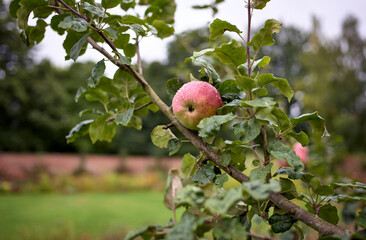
(199, 54)
(131, 19)
(290, 172)
(228, 86)
(260, 102)
(208, 67)
(135, 122)
(130, 51)
(225, 159)
(301, 137)
(351, 185)
(160, 137)
(123, 59)
(346, 198)
(329, 213)
(110, 3)
(125, 82)
(145, 232)
(172, 86)
(185, 228)
(281, 223)
(79, 130)
(111, 33)
(249, 129)
(96, 94)
(221, 179)
(219, 27)
(224, 200)
(14, 7)
(93, 9)
(122, 41)
(261, 63)
(288, 188)
(188, 163)
(245, 83)
(190, 195)
(125, 117)
(260, 4)
(164, 30)
(320, 189)
(238, 158)
(109, 86)
(75, 50)
(209, 127)
(281, 151)
(231, 53)
(279, 83)
(43, 12)
(204, 175)
(229, 228)
(25, 9)
(316, 121)
(174, 184)
(93, 111)
(264, 36)
(260, 173)
(265, 114)
(174, 146)
(260, 191)
(36, 34)
(101, 129)
(74, 23)
(160, 9)
(71, 39)
(283, 121)
(127, 4)
(97, 73)
(55, 21)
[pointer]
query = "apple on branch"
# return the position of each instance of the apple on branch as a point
(195, 101)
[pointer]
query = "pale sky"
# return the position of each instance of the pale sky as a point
(296, 13)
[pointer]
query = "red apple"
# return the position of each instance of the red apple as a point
(195, 101)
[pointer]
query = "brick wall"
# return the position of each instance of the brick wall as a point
(18, 166)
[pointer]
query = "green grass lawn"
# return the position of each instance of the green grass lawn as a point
(93, 215)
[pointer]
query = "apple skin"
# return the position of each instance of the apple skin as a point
(195, 101)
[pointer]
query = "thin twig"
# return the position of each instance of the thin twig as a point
(139, 62)
(143, 105)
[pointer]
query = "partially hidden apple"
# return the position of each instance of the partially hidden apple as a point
(300, 151)
(195, 101)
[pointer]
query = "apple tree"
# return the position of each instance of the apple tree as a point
(288, 200)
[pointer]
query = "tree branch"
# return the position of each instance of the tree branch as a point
(311, 220)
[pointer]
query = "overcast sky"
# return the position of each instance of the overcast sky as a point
(290, 12)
